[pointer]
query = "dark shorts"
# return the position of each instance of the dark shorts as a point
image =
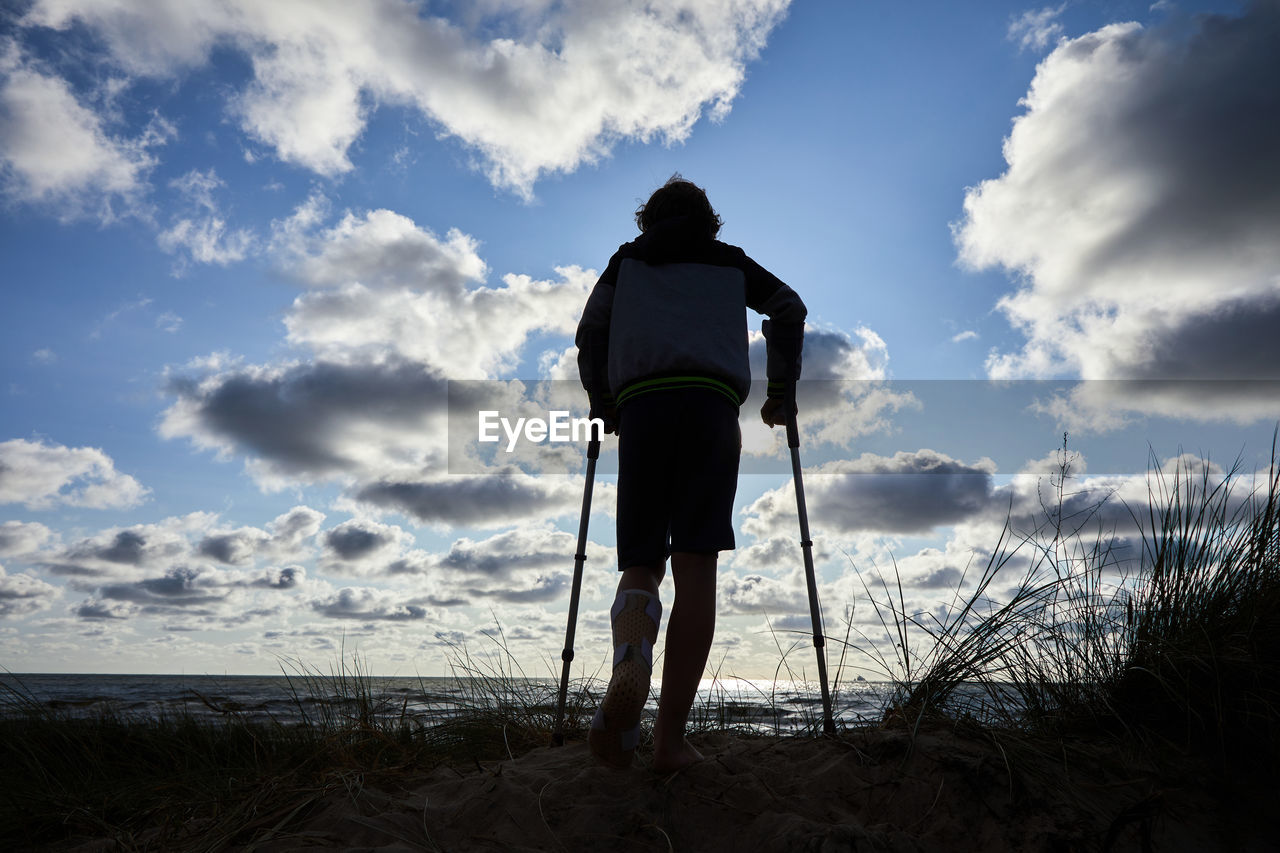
(677, 475)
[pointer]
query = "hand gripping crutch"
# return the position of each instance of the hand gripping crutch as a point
(593, 453)
(806, 545)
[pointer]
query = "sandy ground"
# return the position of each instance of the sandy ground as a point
(872, 791)
(881, 791)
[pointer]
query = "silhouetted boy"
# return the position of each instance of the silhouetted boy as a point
(662, 351)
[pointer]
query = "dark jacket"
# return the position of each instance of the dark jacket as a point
(669, 311)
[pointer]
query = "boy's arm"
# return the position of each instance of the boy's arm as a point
(783, 330)
(593, 344)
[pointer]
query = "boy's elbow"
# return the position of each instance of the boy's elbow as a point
(785, 307)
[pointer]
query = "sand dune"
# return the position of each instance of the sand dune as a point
(870, 791)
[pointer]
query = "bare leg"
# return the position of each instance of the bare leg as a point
(635, 628)
(689, 634)
(642, 577)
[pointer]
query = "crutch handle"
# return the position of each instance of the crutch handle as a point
(793, 430)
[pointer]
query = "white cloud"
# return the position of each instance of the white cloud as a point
(556, 90)
(22, 593)
(526, 565)
(44, 355)
(202, 236)
(128, 553)
(56, 151)
(39, 476)
(842, 393)
(1138, 212)
(362, 546)
(1036, 28)
(966, 335)
(391, 312)
(22, 537)
(380, 284)
(367, 603)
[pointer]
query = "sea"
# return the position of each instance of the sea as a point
(771, 707)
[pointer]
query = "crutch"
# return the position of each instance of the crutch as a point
(806, 545)
(593, 453)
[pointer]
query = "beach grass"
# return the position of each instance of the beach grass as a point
(1168, 633)
(1168, 647)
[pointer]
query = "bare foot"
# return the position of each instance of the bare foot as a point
(665, 761)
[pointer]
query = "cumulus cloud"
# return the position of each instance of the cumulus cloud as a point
(99, 611)
(40, 476)
(291, 530)
(842, 394)
(55, 150)
(380, 249)
(529, 564)
(906, 493)
(130, 552)
(23, 593)
(756, 594)
(506, 497)
(391, 311)
(234, 547)
(530, 93)
(380, 284)
(369, 604)
(1139, 208)
(362, 545)
(22, 537)
(283, 539)
(311, 420)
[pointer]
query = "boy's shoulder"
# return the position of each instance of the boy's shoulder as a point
(707, 252)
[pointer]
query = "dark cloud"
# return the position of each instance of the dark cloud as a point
(947, 577)
(296, 418)
(906, 493)
(235, 548)
(111, 553)
(99, 610)
(126, 548)
(1234, 340)
(180, 587)
(354, 540)
(368, 604)
(1139, 211)
(1206, 126)
(489, 501)
(281, 578)
(504, 553)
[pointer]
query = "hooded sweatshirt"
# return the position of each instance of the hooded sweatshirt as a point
(669, 311)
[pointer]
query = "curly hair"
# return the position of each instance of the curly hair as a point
(678, 197)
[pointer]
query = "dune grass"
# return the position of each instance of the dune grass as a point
(1169, 636)
(160, 781)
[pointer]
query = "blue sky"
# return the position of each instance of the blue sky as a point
(245, 245)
